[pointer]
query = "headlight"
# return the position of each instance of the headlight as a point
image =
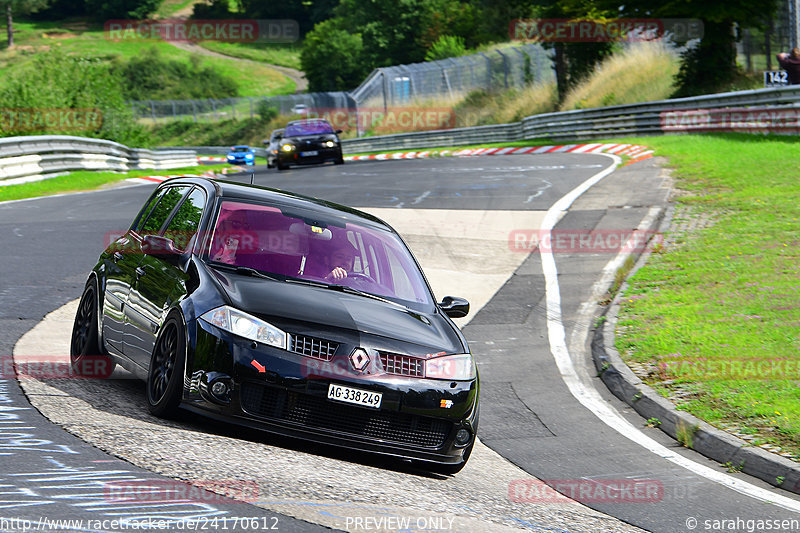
(459, 367)
(247, 326)
(248, 156)
(287, 147)
(330, 144)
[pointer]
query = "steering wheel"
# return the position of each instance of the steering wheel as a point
(360, 277)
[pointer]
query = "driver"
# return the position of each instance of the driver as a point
(338, 262)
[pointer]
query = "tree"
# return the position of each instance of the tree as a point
(389, 29)
(446, 46)
(332, 57)
(20, 7)
(712, 63)
(121, 9)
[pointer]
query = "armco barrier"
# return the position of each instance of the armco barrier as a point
(615, 121)
(47, 155)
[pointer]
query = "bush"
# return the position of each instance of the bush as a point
(446, 46)
(83, 83)
(150, 76)
(266, 111)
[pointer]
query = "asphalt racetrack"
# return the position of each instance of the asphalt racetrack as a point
(544, 413)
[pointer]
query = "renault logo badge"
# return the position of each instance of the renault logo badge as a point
(359, 359)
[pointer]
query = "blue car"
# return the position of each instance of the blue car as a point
(241, 155)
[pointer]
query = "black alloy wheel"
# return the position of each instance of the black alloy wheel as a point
(165, 374)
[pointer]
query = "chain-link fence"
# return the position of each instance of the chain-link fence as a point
(418, 83)
(456, 76)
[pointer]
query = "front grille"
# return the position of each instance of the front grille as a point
(311, 347)
(402, 365)
(316, 412)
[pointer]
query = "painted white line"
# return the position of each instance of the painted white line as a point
(588, 396)
(421, 197)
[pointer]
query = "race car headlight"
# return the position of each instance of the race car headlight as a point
(248, 156)
(330, 144)
(247, 326)
(459, 367)
(287, 147)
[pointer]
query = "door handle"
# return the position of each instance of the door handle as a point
(139, 272)
(117, 256)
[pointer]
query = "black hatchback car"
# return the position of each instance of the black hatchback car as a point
(309, 141)
(286, 313)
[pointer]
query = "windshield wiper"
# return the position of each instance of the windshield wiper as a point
(244, 270)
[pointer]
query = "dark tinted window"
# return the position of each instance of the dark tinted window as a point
(158, 215)
(147, 208)
(184, 224)
(308, 128)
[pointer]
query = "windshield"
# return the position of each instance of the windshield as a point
(308, 128)
(304, 246)
(241, 149)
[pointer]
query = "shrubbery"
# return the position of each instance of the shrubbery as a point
(55, 81)
(150, 76)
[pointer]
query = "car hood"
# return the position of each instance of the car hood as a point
(286, 304)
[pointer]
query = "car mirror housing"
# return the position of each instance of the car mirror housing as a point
(161, 247)
(454, 307)
(338, 132)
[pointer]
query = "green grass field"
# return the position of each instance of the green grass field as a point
(81, 38)
(716, 312)
(285, 55)
(87, 180)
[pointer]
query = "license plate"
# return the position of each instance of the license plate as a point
(310, 153)
(366, 398)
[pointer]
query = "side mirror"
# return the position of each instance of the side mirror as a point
(161, 247)
(265, 141)
(454, 307)
(338, 132)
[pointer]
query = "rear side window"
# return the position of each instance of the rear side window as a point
(162, 209)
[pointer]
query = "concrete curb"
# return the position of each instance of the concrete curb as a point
(707, 440)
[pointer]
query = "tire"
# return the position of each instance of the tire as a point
(86, 356)
(339, 161)
(281, 166)
(165, 373)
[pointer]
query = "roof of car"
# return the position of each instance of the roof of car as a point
(306, 121)
(241, 146)
(245, 191)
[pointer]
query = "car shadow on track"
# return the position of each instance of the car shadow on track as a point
(122, 395)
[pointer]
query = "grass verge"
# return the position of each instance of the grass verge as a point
(284, 55)
(86, 180)
(80, 37)
(715, 313)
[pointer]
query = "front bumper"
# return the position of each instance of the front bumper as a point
(324, 155)
(289, 397)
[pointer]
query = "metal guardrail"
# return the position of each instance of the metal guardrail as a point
(630, 119)
(213, 150)
(46, 155)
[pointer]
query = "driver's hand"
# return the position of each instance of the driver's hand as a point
(337, 274)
